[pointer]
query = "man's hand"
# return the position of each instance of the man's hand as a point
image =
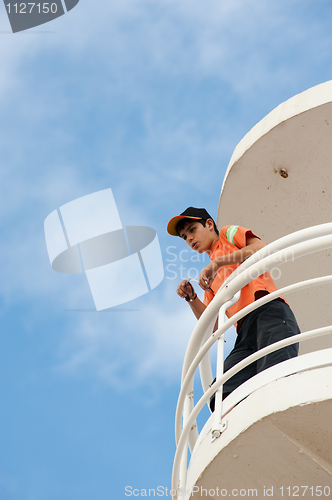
(207, 275)
(185, 289)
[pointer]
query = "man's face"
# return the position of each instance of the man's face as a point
(198, 237)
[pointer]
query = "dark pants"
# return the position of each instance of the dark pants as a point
(266, 325)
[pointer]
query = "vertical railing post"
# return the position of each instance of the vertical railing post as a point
(220, 426)
(188, 405)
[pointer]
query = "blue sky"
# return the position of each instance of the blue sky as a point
(148, 98)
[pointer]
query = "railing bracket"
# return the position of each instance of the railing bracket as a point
(216, 433)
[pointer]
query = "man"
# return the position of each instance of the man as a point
(227, 250)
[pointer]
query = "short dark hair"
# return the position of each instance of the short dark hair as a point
(180, 225)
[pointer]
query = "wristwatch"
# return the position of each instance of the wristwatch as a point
(188, 299)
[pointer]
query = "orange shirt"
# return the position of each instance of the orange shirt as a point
(231, 239)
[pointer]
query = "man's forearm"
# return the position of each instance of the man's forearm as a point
(197, 307)
(209, 272)
(239, 256)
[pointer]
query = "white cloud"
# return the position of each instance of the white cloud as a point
(136, 346)
(244, 43)
(143, 344)
(26, 200)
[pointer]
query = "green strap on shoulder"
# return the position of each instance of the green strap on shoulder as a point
(231, 232)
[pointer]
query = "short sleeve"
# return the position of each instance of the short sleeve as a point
(237, 235)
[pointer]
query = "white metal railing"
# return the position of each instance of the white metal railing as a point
(285, 249)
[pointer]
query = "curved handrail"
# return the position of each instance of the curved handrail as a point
(272, 248)
(210, 313)
(297, 237)
(290, 366)
(214, 337)
(282, 256)
(232, 371)
(303, 242)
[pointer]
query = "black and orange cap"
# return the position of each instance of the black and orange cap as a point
(189, 213)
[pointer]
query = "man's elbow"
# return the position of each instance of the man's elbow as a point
(260, 244)
(256, 244)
